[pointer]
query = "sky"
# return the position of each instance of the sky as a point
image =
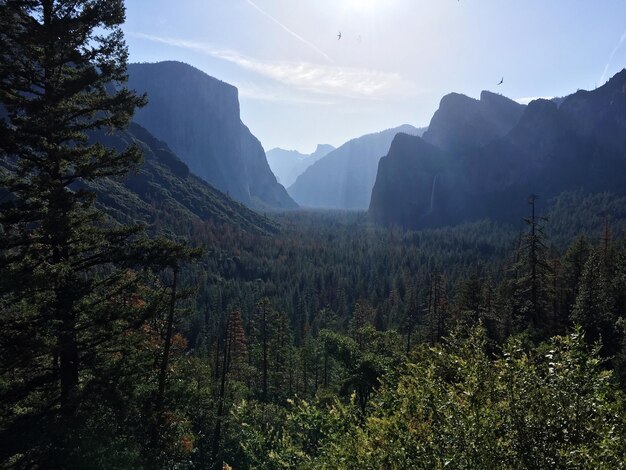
(299, 85)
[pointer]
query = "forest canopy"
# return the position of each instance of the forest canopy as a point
(137, 336)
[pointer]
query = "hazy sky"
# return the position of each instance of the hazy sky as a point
(300, 86)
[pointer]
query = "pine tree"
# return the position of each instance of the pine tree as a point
(573, 266)
(361, 317)
(470, 301)
(619, 282)
(412, 309)
(532, 284)
(262, 318)
(238, 344)
(271, 349)
(166, 256)
(233, 348)
(65, 291)
(437, 309)
(594, 308)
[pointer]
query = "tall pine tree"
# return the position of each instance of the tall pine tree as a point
(532, 285)
(65, 291)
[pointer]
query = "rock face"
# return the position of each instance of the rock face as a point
(287, 165)
(462, 123)
(344, 178)
(198, 117)
(415, 185)
(579, 144)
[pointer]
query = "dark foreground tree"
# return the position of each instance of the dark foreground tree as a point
(68, 294)
(532, 276)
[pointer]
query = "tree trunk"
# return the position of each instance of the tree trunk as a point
(160, 397)
(217, 464)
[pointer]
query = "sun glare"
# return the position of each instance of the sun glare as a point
(364, 5)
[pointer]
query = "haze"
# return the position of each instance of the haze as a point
(299, 85)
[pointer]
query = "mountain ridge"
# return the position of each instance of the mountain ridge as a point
(164, 194)
(199, 119)
(344, 178)
(579, 144)
(287, 165)
(462, 122)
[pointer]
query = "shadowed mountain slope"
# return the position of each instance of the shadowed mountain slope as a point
(579, 145)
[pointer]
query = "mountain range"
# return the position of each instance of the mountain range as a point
(466, 168)
(462, 122)
(344, 178)
(198, 117)
(287, 165)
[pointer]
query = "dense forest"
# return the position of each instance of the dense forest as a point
(149, 323)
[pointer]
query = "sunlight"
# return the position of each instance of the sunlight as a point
(365, 6)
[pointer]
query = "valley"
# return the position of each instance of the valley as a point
(175, 295)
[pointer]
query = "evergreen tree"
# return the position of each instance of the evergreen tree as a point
(66, 294)
(271, 348)
(594, 308)
(532, 283)
(470, 301)
(412, 310)
(573, 266)
(619, 282)
(165, 255)
(233, 347)
(437, 317)
(361, 317)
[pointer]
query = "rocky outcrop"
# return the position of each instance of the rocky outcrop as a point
(462, 123)
(576, 144)
(344, 178)
(198, 117)
(415, 186)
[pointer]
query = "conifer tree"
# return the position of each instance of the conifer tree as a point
(470, 301)
(437, 309)
(64, 285)
(594, 308)
(165, 255)
(412, 309)
(233, 347)
(619, 282)
(272, 341)
(532, 284)
(573, 266)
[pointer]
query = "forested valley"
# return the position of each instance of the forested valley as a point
(152, 322)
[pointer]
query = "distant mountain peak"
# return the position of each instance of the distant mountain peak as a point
(323, 148)
(490, 97)
(344, 178)
(618, 80)
(462, 123)
(184, 69)
(496, 152)
(454, 98)
(287, 165)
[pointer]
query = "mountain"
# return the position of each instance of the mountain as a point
(198, 117)
(414, 189)
(344, 178)
(579, 145)
(462, 122)
(287, 165)
(164, 194)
